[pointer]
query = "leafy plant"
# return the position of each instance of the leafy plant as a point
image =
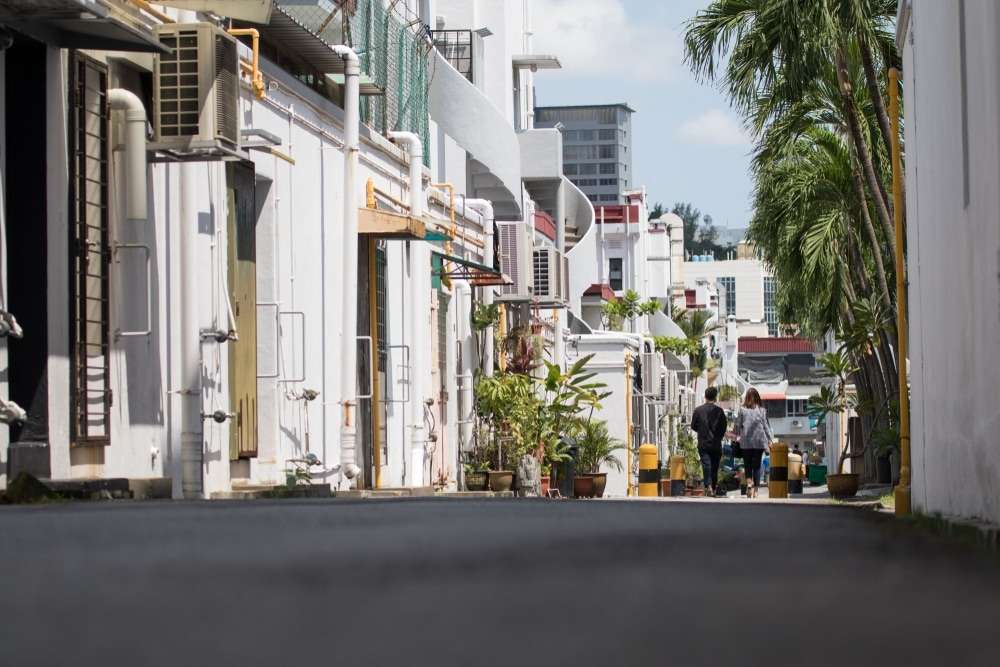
(596, 447)
(728, 392)
(681, 347)
(626, 308)
(688, 447)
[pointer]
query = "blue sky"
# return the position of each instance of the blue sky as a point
(687, 143)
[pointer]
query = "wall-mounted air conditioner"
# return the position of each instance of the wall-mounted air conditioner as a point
(796, 423)
(516, 260)
(551, 276)
(652, 374)
(196, 90)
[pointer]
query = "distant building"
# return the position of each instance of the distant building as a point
(744, 289)
(597, 148)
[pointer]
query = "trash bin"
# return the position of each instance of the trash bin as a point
(817, 474)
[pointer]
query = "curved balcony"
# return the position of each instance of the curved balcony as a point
(581, 243)
(468, 117)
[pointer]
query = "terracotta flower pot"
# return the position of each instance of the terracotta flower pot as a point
(501, 480)
(546, 484)
(476, 481)
(600, 482)
(583, 486)
(843, 485)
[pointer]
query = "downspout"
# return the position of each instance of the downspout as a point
(192, 452)
(135, 151)
(349, 286)
(419, 274)
(485, 208)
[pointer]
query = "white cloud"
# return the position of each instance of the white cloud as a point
(713, 127)
(597, 38)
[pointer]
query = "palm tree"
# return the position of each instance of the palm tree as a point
(768, 54)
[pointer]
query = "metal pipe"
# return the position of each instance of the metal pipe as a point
(485, 208)
(257, 81)
(349, 283)
(419, 289)
(135, 151)
(192, 427)
(902, 492)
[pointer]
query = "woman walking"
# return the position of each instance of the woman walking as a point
(755, 437)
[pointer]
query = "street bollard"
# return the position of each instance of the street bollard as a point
(649, 471)
(794, 473)
(677, 475)
(777, 485)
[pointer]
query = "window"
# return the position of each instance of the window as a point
(609, 198)
(586, 182)
(775, 409)
(606, 135)
(609, 181)
(609, 152)
(615, 273)
(797, 407)
(570, 135)
(586, 135)
(588, 169)
(770, 312)
(607, 168)
(571, 169)
(579, 152)
(728, 283)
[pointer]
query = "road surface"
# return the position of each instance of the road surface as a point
(486, 582)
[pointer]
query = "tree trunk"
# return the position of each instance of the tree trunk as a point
(875, 92)
(861, 148)
(883, 284)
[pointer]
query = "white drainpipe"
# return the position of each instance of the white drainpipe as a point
(135, 150)
(466, 412)
(419, 307)
(192, 452)
(485, 208)
(349, 312)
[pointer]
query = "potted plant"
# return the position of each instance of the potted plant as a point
(596, 449)
(546, 478)
(476, 476)
(834, 400)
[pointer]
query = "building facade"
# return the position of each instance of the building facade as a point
(951, 101)
(597, 148)
(745, 290)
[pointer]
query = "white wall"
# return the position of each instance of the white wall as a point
(749, 274)
(953, 256)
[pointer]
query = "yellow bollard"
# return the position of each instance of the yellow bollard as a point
(678, 476)
(649, 471)
(794, 473)
(777, 485)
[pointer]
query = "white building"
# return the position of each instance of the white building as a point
(209, 310)
(951, 92)
(745, 289)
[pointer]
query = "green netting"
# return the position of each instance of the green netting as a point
(393, 50)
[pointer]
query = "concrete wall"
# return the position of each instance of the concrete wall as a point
(749, 276)
(953, 165)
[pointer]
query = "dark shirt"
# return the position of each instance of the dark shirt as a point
(709, 422)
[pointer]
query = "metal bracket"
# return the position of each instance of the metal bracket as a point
(144, 247)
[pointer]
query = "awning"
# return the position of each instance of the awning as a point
(772, 396)
(460, 268)
(390, 225)
(81, 24)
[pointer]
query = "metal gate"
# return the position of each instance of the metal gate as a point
(90, 253)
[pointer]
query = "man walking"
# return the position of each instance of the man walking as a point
(709, 422)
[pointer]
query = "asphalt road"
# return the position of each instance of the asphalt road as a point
(490, 582)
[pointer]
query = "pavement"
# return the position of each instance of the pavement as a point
(487, 582)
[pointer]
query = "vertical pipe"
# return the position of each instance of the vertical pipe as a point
(375, 380)
(485, 208)
(902, 492)
(192, 452)
(135, 150)
(349, 285)
(419, 276)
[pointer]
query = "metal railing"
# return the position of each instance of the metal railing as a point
(455, 46)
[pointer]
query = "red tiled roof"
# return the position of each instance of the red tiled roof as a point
(783, 345)
(602, 290)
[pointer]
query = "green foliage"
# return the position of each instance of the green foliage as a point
(681, 347)
(687, 445)
(596, 446)
(728, 392)
(485, 316)
(700, 233)
(626, 308)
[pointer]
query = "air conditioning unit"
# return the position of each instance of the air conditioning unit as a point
(652, 372)
(551, 284)
(796, 423)
(516, 260)
(196, 90)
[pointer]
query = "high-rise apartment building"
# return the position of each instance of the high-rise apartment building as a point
(597, 147)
